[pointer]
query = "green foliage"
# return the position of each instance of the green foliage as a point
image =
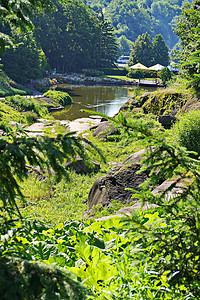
(142, 51)
(92, 72)
(188, 30)
(28, 56)
(124, 45)
(7, 113)
(160, 50)
(187, 131)
(153, 254)
(61, 97)
(27, 104)
(49, 153)
(77, 38)
(141, 74)
(149, 53)
(18, 16)
(115, 71)
(37, 281)
(165, 75)
(131, 19)
(8, 87)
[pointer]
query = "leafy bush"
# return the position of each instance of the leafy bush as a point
(61, 97)
(141, 74)
(187, 131)
(165, 75)
(9, 87)
(115, 71)
(153, 254)
(37, 281)
(92, 72)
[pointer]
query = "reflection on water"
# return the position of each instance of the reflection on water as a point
(104, 99)
(107, 100)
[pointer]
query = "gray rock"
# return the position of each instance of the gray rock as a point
(167, 120)
(114, 185)
(130, 104)
(135, 157)
(80, 167)
(191, 104)
(105, 129)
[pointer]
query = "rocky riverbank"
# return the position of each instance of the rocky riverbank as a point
(77, 79)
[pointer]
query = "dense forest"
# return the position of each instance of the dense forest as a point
(132, 18)
(62, 37)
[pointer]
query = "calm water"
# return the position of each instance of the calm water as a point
(107, 100)
(104, 99)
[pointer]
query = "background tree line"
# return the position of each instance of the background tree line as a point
(70, 38)
(132, 18)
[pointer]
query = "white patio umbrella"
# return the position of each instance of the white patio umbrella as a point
(139, 66)
(156, 67)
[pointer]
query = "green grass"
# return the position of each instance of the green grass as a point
(68, 200)
(7, 113)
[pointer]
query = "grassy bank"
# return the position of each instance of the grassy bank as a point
(8, 87)
(68, 200)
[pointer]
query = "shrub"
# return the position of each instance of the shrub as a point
(115, 71)
(92, 72)
(187, 131)
(61, 97)
(165, 75)
(141, 74)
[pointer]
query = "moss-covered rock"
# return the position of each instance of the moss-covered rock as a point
(61, 97)
(164, 102)
(191, 104)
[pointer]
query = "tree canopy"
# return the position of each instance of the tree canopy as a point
(19, 16)
(147, 52)
(74, 38)
(133, 18)
(188, 29)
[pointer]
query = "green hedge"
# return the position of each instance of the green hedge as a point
(187, 131)
(141, 74)
(61, 97)
(115, 71)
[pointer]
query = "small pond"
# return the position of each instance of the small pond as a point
(103, 99)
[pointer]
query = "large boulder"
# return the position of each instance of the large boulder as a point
(105, 129)
(191, 104)
(167, 120)
(164, 102)
(114, 185)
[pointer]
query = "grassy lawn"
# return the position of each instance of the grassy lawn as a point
(127, 78)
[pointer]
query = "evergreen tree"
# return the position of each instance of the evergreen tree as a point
(160, 51)
(107, 46)
(124, 46)
(77, 38)
(142, 51)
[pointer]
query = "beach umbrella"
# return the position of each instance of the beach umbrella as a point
(156, 67)
(139, 66)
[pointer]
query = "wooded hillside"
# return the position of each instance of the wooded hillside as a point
(132, 18)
